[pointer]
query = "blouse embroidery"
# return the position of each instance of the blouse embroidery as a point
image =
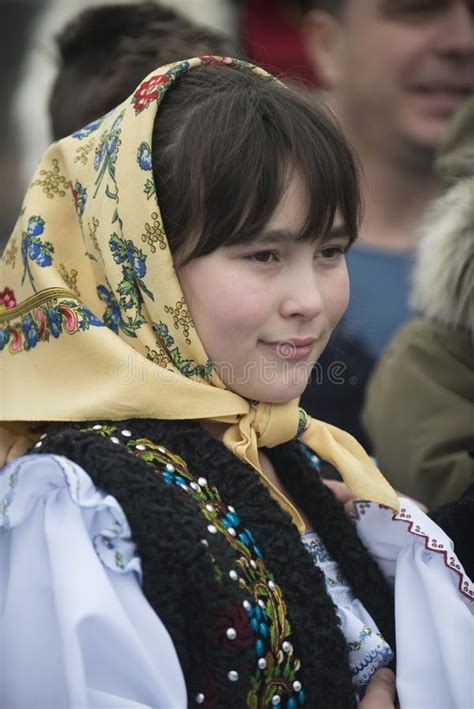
(368, 651)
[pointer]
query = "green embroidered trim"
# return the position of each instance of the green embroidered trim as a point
(277, 666)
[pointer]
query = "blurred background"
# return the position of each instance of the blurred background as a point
(29, 61)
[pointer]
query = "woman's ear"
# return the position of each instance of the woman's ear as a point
(323, 41)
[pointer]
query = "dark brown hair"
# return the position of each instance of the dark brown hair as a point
(333, 7)
(106, 51)
(223, 143)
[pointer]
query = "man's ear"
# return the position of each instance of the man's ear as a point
(322, 39)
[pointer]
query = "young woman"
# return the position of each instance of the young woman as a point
(171, 541)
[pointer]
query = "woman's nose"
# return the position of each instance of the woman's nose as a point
(302, 297)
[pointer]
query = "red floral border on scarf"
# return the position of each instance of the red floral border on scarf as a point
(7, 299)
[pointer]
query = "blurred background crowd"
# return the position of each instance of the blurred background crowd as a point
(30, 61)
(399, 75)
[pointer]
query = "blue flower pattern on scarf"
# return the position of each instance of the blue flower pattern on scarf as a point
(33, 249)
(144, 156)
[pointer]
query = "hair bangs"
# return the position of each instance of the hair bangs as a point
(221, 175)
(319, 153)
(278, 144)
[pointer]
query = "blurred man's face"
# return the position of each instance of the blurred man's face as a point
(398, 69)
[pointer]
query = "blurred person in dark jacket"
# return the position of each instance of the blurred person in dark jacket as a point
(421, 395)
(395, 71)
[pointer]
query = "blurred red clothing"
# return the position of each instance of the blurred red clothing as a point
(271, 37)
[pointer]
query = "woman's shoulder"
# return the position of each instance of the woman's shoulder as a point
(37, 487)
(113, 453)
(70, 588)
(111, 486)
(131, 462)
(109, 438)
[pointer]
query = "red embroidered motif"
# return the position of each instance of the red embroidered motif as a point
(465, 586)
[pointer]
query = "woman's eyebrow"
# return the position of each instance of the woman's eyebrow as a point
(338, 231)
(275, 236)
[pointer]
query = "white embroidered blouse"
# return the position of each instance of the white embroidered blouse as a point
(77, 631)
(368, 651)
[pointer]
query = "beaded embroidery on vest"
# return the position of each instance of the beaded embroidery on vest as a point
(253, 635)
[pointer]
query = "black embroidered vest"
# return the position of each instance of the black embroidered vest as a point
(224, 566)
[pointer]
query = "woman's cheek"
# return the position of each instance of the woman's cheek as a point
(338, 296)
(245, 302)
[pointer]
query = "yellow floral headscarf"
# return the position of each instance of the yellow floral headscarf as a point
(93, 323)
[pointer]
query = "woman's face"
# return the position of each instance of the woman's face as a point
(265, 311)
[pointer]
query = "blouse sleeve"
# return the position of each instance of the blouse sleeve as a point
(76, 629)
(434, 605)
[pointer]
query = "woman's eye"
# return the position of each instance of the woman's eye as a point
(332, 252)
(262, 256)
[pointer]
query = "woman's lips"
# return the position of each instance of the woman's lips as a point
(294, 349)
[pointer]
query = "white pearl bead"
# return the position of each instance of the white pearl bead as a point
(247, 605)
(114, 439)
(262, 663)
(140, 447)
(286, 646)
(209, 508)
(126, 433)
(271, 585)
(297, 686)
(202, 482)
(170, 468)
(97, 427)
(194, 486)
(261, 603)
(276, 700)
(205, 543)
(231, 509)
(233, 575)
(39, 444)
(253, 564)
(199, 699)
(212, 529)
(231, 633)
(43, 436)
(232, 532)
(162, 450)
(233, 675)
